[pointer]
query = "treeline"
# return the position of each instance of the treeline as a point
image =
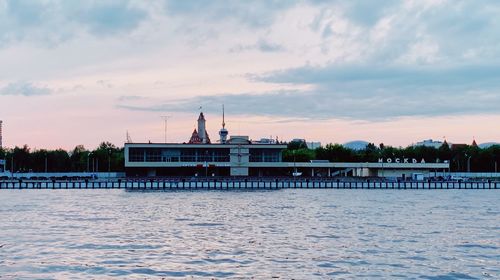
(461, 157)
(106, 157)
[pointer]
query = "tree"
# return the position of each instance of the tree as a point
(39, 158)
(78, 158)
(109, 157)
(472, 158)
(58, 161)
(391, 152)
(444, 152)
(370, 153)
(297, 144)
(298, 155)
(22, 160)
(336, 153)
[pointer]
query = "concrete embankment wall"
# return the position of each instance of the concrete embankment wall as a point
(468, 174)
(239, 184)
(64, 174)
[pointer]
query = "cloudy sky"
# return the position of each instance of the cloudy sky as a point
(80, 72)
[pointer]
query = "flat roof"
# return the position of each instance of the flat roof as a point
(205, 146)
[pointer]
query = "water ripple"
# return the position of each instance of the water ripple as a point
(285, 234)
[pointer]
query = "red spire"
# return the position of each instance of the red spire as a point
(474, 144)
(208, 138)
(195, 138)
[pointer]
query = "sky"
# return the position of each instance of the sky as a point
(392, 72)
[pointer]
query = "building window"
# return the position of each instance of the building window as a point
(220, 155)
(136, 155)
(204, 155)
(271, 156)
(178, 155)
(170, 155)
(264, 155)
(188, 155)
(153, 155)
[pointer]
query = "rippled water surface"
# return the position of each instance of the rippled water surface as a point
(285, 234)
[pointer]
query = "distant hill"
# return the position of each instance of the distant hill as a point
(356, 145)
(488, 144)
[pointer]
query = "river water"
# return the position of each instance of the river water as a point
(280, 234)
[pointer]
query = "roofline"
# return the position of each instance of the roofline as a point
(282, 146)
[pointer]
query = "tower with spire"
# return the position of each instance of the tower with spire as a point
(201, 128)
(200, 136)
(474, 143)
(223, 131)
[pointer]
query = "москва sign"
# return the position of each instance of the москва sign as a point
(400, 160)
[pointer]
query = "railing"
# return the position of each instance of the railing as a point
(234, 184)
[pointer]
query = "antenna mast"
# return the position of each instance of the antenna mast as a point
(223, 131)
(129, 139)
(165, 118)
(223, 122)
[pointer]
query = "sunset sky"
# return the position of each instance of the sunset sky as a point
(397, 72)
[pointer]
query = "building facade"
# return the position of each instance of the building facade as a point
(246, 159)
(429, 143)
(239, 156)
(231, 159)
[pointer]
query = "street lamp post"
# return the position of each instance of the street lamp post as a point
(495, 163)
(109, 162)
(468, 163)
(88, 162)
(7, 154)
(206, 163)
(12, 165)
(294, 165)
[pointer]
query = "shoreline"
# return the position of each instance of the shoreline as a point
(234, 184)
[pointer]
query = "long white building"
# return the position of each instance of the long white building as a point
(238, 156)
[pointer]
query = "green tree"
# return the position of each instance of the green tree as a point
(391, 152)
(473, 158)
(78, 159)
(298, 155)
(58, 161)
(369, 154)
(109, 157)
(336, 153)
(38, 159)
(296, 145)
(21, 158)
(444, 152)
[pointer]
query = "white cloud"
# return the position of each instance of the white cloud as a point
(348, 54)
(24, 89)
(49, 23)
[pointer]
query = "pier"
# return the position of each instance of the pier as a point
(236, 184)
